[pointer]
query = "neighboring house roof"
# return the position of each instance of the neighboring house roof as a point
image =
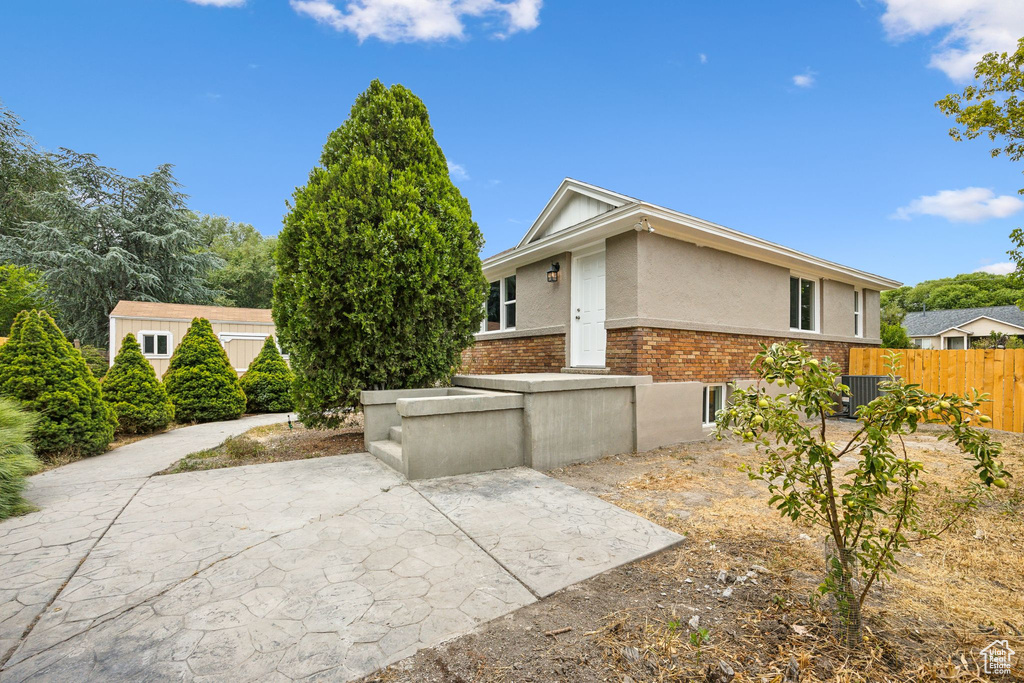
(579, 214)
(157, 310)
(932, 323)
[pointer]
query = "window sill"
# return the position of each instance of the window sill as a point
(796, 329)
(155, 356)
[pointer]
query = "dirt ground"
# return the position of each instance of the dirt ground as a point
(739, 593)
(276, 443)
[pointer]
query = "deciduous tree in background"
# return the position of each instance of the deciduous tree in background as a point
(200, 380)
(132, 389)
(20, 290)
(44, 373)
(379, 277)
(246, 275)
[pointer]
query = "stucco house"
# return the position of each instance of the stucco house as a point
(606, 283)
(159, 328)
(959, 328)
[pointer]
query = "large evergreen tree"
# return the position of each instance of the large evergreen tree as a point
(41, 370)
(379, 278)
(200, 380)
(132, 389)
(104, 237)
(24, 170)
(268, 381)
(246, 275)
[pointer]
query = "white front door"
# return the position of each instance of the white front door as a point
(588, 335)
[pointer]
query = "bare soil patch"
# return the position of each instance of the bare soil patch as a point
(276, 443)
(741, 589)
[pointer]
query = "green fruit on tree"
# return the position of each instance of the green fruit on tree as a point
(799, 381)
(912, 410)
(884, 531)
(793, 398)
(985, 419)
(763, 403)
(781, 382)
(1000, 482)
(757, 419)
(944, 405)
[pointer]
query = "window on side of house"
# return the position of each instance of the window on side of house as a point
(858, 324)
(955, 343)
(155, 344)
(510, 302)
(714, 400)
(501, 306)
(802, 304)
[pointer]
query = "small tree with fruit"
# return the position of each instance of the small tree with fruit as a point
(869, 509)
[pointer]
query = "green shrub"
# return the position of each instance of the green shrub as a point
(96, 359)
(42, 371)
(268, 382)
(379, 276)
(134, 392)
(17, 460)
(200, 380)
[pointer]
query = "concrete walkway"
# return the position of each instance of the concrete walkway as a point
(77, 503)
(323, 569)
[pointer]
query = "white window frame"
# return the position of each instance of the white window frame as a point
(502, 304)
(858, 313)
(706, 407)
(815, 317)
(156, 333)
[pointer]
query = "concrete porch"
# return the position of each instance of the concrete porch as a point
(539, 420)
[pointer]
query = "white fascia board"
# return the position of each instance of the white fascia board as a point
(571, 185)
(687, 228)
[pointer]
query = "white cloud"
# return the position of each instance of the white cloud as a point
(970, 28)
(457, 171)
(218, 3)
(412, 20)
(703, 58)
(969, 205)
(998, 268)
(804, 80)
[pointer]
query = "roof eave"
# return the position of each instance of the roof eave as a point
(687, 228)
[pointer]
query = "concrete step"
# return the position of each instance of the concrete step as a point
(395, 434)
(389, 453)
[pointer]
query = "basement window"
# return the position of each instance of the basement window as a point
(714, 400)
(156, 344)
(802, 304)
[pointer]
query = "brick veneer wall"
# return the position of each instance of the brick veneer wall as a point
(687, 355)
(517, 354)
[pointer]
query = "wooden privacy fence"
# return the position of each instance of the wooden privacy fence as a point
(996, 372)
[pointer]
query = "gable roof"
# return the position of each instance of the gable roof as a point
(579, 214)
(161, 311)
(932, 323)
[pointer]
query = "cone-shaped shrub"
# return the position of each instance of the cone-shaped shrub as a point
(16, 458)
(44, 373)
(268, 382)
(134, 392)
(200, 380)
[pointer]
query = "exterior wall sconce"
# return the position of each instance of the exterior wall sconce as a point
(553, 272)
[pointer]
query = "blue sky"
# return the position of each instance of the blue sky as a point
(808, 123)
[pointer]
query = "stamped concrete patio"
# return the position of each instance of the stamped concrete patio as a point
(325, 569)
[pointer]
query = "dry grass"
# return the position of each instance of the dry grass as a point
(275, 443)
(952, 597)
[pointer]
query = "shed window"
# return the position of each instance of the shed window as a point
(155, 344)
(802, 304)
